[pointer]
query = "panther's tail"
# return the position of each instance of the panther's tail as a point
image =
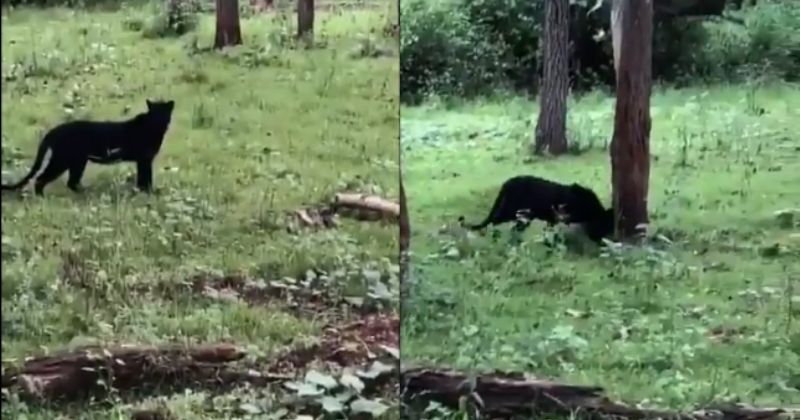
(493, 213)
(37, 164)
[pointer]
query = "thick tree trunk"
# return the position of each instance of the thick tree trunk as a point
(305, 20)
(551, 127)
(630, 145)
(228, 31)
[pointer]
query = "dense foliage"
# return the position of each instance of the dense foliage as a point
(473, 47)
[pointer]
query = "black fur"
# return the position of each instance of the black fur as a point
(74, 144)
(537, 198)
(600, 227)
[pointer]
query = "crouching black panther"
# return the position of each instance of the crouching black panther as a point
(537, 198)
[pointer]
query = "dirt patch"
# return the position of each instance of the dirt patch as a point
(347, 345)
(306, 302)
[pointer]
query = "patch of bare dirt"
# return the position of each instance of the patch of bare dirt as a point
(306, 302)
(347, 345)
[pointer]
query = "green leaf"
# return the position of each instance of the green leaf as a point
(351, 381)
(321, 379)
(376, 369)
(331, 405)
(250, 408)
(363, 405)
(304, 389)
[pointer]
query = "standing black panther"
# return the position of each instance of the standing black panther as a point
(74, 144)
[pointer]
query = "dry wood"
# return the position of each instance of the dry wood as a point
(90, 370)
(503, 395)
(321, 217)
(370, 203)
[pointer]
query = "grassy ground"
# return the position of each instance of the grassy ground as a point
(257, 130)
(713, 316)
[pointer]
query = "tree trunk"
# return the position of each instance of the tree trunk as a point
(405, 241)
(228, 31)
(305, 20)
(630, 145)
(551, 127)
(405, 228)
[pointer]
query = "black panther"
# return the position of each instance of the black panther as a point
(73, 144)
(537, 198)
(600, 227)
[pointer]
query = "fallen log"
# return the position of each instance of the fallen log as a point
(94, 370)
(368, 207)
(503, 395)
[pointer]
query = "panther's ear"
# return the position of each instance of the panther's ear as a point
(171, 103)
(149, 104)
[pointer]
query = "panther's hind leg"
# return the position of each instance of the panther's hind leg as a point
(55, 168)
(75, 174)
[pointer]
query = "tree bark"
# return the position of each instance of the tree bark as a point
(630, 145)
(551, 127)
(405, 227)
(305, 20)
(228, 31)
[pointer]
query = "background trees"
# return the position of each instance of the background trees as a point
(474, 47)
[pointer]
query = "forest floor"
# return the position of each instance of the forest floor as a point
(709, 311)
(258, 130)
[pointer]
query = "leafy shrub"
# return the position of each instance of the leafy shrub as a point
(471, 47)
(172, 18)
(514, 28)
(441, 52)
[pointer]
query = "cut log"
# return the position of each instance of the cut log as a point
(503, 395)
(371, 206)
(93, 370)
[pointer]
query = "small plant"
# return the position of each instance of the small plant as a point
(201, 116)
(175, 18)
(193, 74)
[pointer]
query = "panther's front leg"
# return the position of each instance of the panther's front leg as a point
(144, 175)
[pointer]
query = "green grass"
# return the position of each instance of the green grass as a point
(713, 316)
(258, 130)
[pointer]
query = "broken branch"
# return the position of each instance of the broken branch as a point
(503, 395)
